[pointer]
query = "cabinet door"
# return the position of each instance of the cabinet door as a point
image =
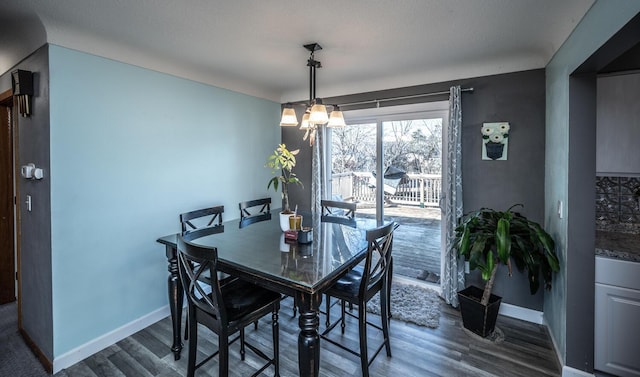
(617, 330)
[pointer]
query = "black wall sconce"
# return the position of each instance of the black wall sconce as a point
(22, 83)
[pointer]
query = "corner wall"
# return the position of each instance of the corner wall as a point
(568, 309)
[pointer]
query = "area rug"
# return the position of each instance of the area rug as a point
(411, 303)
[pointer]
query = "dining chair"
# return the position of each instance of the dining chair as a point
(359, 285)
(253, 211)
(195, 221)
(225, 310)
(199, 223)
(338, 212)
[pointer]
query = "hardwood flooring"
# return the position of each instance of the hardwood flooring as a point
(417, 351)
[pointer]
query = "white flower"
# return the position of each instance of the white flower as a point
(504, 128)
(487, 130)
(496, 138)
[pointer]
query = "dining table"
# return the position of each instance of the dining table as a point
(262, 254)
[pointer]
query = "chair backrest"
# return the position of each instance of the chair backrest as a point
(196, 221)
(378, 260)
(338, 212)
(194, 262)
(253, 211)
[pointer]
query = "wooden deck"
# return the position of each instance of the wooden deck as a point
(416, 243)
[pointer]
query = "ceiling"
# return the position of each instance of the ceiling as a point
(255, 47)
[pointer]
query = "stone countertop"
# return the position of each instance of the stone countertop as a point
(611, 244)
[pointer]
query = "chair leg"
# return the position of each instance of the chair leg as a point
(362, 327)
(342, 322)
(223, 355)
(384, 306)
(390, 280)
(276, 343)
(193, 344)
(328, 310)
(186, 326)
(242, 349)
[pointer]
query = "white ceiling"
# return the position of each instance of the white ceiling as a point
(255, 46)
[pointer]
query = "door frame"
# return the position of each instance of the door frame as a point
(11, 285)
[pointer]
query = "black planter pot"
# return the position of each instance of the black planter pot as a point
(494, 150)
(476, 317)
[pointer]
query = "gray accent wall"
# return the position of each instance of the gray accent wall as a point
(34, 227)
(570, 172)
(517, 98)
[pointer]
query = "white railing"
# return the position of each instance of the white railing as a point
(414, 189)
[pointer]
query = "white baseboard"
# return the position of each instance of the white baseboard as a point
(572, 372)
(519, 312)
(98, 344)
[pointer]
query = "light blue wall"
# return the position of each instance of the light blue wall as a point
(131, 148)
(602, 21)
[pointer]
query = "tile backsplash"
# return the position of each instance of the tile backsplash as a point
(617, 201)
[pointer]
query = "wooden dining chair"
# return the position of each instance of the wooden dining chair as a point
(338, 212)
(359, 285)
(194, 221)
(199, 223)
(253, 211)
(226, 309)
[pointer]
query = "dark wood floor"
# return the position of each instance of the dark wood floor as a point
(417, 351)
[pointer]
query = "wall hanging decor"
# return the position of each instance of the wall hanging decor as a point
(495, 140)
(22, 85)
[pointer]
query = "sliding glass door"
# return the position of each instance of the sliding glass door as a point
(390, 163)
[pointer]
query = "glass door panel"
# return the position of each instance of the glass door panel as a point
(410, 160)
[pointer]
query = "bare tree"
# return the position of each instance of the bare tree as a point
(413, 146)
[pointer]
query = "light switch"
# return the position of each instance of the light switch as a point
(28, 201)
(560, 209)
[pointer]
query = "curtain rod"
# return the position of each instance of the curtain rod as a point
(377, 101)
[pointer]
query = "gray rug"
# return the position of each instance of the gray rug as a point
(411, 303)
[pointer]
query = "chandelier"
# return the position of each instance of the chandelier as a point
(315, 115)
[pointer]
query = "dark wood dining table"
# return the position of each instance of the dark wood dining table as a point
(260, 254)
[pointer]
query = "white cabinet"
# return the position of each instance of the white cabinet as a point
(617, 317)
(617, 131)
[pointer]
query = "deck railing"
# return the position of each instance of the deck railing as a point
(414, 189)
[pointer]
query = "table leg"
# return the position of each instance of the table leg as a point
(308, 339)
(176, 296)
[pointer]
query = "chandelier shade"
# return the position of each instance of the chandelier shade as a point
(336, 119)
(289, 118)
(318, 115)
(316, 112)
(305, 122)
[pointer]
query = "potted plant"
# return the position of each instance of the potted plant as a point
(488, 238)
(281, 162)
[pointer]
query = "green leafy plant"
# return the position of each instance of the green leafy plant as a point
(281, 162)
(488, 238)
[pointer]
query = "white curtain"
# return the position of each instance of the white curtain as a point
(453, 279)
